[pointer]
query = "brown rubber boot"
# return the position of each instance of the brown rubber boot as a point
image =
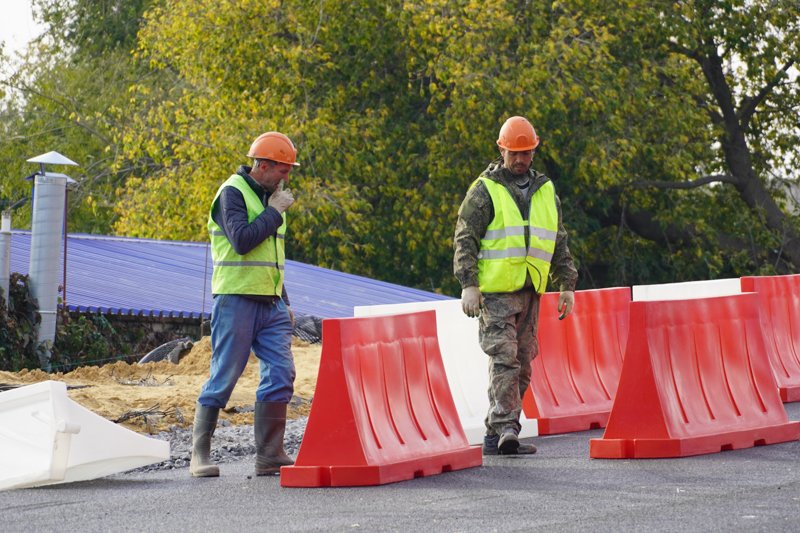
(269, 427)
(205, 422)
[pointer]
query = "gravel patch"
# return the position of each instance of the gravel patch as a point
(229, 444)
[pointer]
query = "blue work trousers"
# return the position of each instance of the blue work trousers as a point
(239, 325)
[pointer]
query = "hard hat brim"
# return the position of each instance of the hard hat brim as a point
(525, 149)
(251, 156)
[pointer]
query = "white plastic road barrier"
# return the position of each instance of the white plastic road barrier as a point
(46, 438)
(466, 365)
(687, 290)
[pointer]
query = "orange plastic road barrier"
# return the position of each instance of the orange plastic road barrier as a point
(382, 409)
(695, 380)
(779, 304)
(576, 373)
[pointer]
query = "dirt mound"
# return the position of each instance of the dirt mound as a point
(151, 397)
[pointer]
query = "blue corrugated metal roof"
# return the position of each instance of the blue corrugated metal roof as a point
(144, 277)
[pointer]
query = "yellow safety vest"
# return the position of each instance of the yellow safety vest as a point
(260, 271)
(504, 258)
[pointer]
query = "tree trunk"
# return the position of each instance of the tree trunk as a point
(740, 162)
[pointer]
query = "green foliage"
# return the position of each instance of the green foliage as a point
(18, 321)
(361, 140)
(87, 339)
(69, 93)
(395, 107)
(92, 27)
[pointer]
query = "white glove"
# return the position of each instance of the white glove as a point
(281, 199)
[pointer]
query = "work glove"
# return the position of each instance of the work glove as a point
(471, 301)
(281, 199)
(566, 302)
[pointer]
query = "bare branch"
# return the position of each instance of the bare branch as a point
(750, 103)
(67, 107)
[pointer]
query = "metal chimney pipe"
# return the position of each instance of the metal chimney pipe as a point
(44, 271)
(5, 254)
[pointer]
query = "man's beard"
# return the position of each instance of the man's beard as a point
(516, 170)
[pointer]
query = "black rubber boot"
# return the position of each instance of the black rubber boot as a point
(205, 422)
(269, 427)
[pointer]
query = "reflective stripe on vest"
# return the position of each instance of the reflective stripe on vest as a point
(504, 259)
(260, 271)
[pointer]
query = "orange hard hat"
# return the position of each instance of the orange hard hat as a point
(274, 146)
(517, 135)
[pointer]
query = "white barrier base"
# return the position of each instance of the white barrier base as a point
(464, 362)
(46, 438)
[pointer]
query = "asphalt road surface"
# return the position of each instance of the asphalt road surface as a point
(558, 489)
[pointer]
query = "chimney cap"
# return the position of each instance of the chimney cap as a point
(52, 158)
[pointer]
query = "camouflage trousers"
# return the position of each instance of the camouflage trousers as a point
(507, 334)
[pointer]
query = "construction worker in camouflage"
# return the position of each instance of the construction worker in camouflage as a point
(247, 224)
(509, 241)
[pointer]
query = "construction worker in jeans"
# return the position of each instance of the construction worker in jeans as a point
(509, 240)
(251, 312)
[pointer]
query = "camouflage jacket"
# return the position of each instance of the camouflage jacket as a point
(477, 211)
